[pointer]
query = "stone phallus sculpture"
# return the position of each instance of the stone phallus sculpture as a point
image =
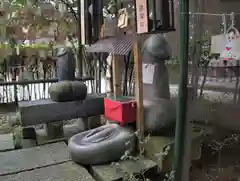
(67, 88)
(65, 64)
(160, 111)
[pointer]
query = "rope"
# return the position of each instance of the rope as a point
(212, 14)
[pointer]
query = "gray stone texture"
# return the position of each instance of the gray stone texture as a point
(68, 171)
(6, 142)
(27, 159)
(122, 170)
(108, 173)
(69, 130)
(45, 111)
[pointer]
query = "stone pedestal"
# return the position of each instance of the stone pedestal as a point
(68, 131)
(29, 137)
(161, 150)
(54, 130)
(91, 122)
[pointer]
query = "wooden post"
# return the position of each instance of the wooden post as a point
(139, 93)
(15, 94)
(82, 20)
(116, 70)
(116, 76)
(79, 63)
(141, 27)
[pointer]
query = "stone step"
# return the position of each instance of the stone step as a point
(31, 158)
(161, 150)
(122, 170)
(108, 172)
(68, 171)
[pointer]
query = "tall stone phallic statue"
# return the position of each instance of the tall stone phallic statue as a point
(156, 52)
(160, 111)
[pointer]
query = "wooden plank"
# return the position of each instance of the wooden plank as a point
(83, 19)
(31, 158)
(68, 171)
(108, 172)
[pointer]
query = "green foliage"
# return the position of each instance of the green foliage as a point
(170, 176)
(20, 2)
(205, 44)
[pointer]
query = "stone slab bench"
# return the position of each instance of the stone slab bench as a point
(68, 171)
(46, 110)
(16, 161)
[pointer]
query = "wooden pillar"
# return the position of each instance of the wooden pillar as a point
(141, 27)
(116, 76)
(83, 21)
(139, 93)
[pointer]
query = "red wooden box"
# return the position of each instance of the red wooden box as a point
(122, 110)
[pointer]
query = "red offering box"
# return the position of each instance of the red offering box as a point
(121, 110)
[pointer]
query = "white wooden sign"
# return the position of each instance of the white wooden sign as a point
(83, 18)
(142, 16)
(148, 73)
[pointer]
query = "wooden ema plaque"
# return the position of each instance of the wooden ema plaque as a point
(142, 16)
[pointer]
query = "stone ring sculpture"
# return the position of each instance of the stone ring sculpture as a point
(101, 145)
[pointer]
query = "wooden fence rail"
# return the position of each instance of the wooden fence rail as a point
(14, 91)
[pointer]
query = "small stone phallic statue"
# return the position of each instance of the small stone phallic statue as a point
(65, 61)
(66, 64)
(67, 88)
